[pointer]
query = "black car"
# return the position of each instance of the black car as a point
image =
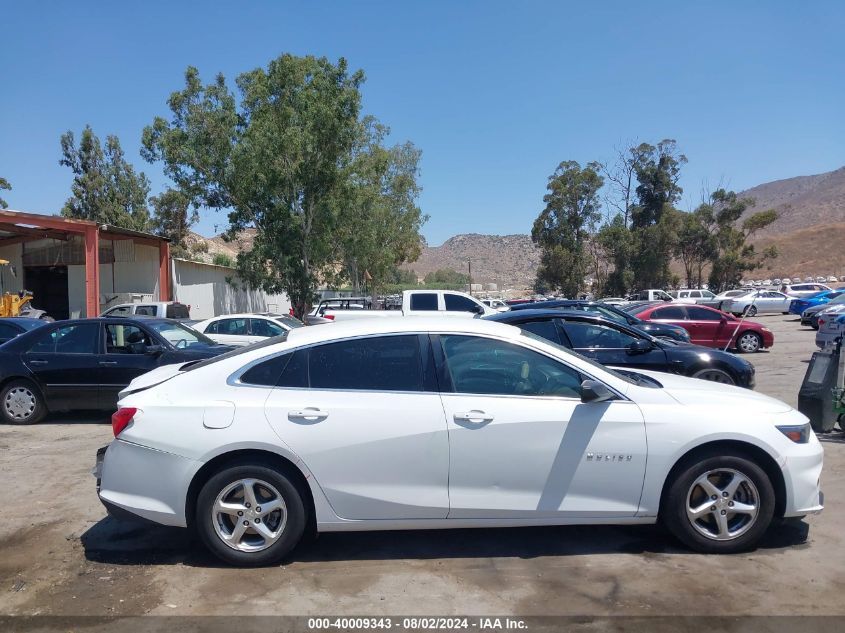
(10, 327)
(612, 313)
(620, 345)
(84, 363)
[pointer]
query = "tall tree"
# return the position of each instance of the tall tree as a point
(4, 184)
(106, 189)
(572, 205)
(621, 178)
(378, 218)
(276, 162)
(616, 241)
(173, 217)
(733, 255)
(696, 245)
(654, 219)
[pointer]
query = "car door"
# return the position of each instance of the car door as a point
(66, 364)
(124, 355)
(611, 346)
(522, 445)
(365, 417)
(715, 329)
(675, 315)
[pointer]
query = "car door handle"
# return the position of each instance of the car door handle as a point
(475, 417)
(38, 362)
(108, 362)
(308, 414)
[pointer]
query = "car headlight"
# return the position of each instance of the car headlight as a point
(798, 433)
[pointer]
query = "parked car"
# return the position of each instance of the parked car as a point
(245, 329)
(798, 306)
(718, 300)
(758, 302)
(499, 428)
(693, 295)
(831, 328)
(804, 290)
(497, 304)
(613, 313)
(621, 346)
(654, 294)
(811, 316)
(831, 279)
(10, 327)
(712, 328)
(613, 301)
(447, 303)
(84, 363)
(160, 309)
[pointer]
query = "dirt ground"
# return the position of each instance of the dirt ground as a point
(61, 555)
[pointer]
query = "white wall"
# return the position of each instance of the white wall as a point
(204, 287)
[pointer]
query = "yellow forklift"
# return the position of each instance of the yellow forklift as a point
(14, 304)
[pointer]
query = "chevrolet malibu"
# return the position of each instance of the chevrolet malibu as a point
(419, 423)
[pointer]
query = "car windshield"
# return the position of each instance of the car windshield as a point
(627, 377)
(30, 324)
(289, 321)
(179, 336)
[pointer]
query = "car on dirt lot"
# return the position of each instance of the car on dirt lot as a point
(423, 423)
(712, 328)
(245, 329)
(84, 363)
(624, 347)
(798, 306)
(758, 302)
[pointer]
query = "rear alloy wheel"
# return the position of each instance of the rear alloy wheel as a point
(719, 505)
(749, 342)
(21, 403)
(250, 515)
(750, 311)
(715, 375)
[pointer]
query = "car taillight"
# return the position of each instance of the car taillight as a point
(821, 321)
(121, 418)
(330, 317)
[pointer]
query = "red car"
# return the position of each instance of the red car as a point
(710, 327)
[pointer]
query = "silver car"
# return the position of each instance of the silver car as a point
(758, 302)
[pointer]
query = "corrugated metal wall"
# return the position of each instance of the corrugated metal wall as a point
(205, 288)
(11, 283)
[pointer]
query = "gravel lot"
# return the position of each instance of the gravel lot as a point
(61, 555)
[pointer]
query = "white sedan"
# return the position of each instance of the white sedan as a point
(419, 423)
(758, 302)
(245, 329)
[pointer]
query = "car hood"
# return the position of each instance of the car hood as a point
(703, 393)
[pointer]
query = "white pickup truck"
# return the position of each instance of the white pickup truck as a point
(414, 302)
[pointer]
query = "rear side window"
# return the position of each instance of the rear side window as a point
(71, 339)
(385, 363)
(177, 311)
(458, 303)
(232, 326)
(672, 313)
(284, 370)
(263, 327)
(146, 310)
(424, 301)
(545, 329)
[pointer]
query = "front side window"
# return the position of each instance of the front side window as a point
(382, 363)
(235, 327)
(71, 339)
(424, 301)
(487, 366)
(126, 339)
(595, 336)
(263, 327)
(459, 303)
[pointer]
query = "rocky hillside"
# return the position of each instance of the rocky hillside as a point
(509, 261)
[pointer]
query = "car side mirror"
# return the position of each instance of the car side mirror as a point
(478, 309)
(594, 391)
(153, 350)
(639, 346)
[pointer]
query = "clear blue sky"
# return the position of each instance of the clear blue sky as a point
(496, 94)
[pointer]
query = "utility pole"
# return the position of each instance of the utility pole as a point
(469, 264)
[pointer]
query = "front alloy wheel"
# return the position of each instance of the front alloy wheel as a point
(749, 342)
(718, 503)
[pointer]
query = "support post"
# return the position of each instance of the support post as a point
(164, 271)
(92, 271)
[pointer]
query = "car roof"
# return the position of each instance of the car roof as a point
(242, 315)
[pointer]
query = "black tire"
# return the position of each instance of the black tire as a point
(714, 374)
(295, 516)
(744, 343)
(673, 511)
(19, 396)
(750, 311)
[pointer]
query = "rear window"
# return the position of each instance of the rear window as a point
(424, 301)
(177, 311)
(381, 363)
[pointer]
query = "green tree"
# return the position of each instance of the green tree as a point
(276, 161)
(402, 277)
(222, 259)
(733, 255)
(105, 189)
(561, 229)
(378, 219)
(696, 245)
(654, 219)
(447, 276)
(4, 184)
(616, 240)
(173, 218)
